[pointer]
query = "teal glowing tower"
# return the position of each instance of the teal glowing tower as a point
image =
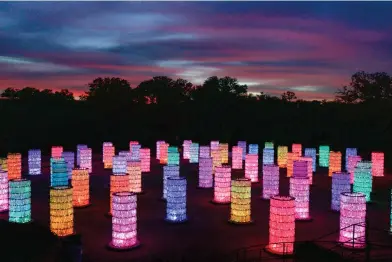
(324, 156)
(20, 201)
(363, 180)
(173, 156)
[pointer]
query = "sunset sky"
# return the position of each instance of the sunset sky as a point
(311, 48)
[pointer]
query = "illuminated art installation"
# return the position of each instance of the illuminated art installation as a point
(324, 156)
(335, 162)
(3, 191)
(163, 153)
(222, 185)
(291, 157)
(214, 145)
(34, 160)
(299, 189)
(119, 165)
(19, 201)
(173, 156)
(252, 167)
(57, 151)
(349, 152)
(204, 152)
(270, 181)
(176, 200)
(145, 159)
(51, 161)
(135, 152)
(126, 155)
(363, 180)
(158, 149)
(309, 169)
(282, 156)
(59, 175)
(240, 210)
(108, 153)
(14, 164)
(253, 149)
(3, 164)
(131, 143)
(352, 164)
(303, 168)
(61, 211)
(124, 221)
(377, 164)
(69, 158)
(206, 179)
(269, 145)
(242, 144)
(224, 149)
(281, 225)
(86, 159)
(135, 176)
(118, 183)
(296, 149)
(340, 184)
(352, 220)
(81, 187)
(185, 147)
(194, 153)
(268, 156)
(169, 171)
(78, 148)
(216, 158)
(236, 157)
(311, 152)
(104, 145)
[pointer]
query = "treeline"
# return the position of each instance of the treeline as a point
(174, 110)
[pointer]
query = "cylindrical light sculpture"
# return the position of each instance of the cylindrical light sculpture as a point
(185, 147)
(86, 159)
(176, 200)
(204, 152)
(282, 156)
(126, 155)
(169, 171)
(252, 167)
(240, 210)
(61, 211)
(242, 144)
(104, 145)
(69, 158)
(108, 153)
(309, 168)
(296, 149)
(300, 168)
(131, 143)
(281, 225)
(205, 173)
(352, 220)
(34, 161)
(222, 185)
(135, 152)
(311, 152)
(236, 157)
(214, 145)
(118, 183)
(135, 176)
(173, 156)
(59, 175)
(268, 156)
(145, 159)
(81, 187)
(78, 148)
(3, 191)
(57, 151)
(224, 149)
(363, 180)
(270, 181)
(163, 153)
(253, 149)
(340, 184)
(291, 157)
(324, 156)
(299, 189)
(194, 153)
(119, 165)
(377, 163)
(352, 164)
(335, 162)
(3, 164)
(216, 158)
(19, 201)
(158, 149)
(349, 152)
(14, 164)
(269, 144)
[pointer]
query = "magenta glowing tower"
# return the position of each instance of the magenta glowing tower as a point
(145, 159)
(186, 146)
(270, 181)
(206, 179)
(204, 152)
(377, 164)
(351, 165)
(252, 167)
(222, 187)
(299, 189)
(301, 168)
(3, 191)
(236, 157)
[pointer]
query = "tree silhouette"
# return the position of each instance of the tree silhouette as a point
(289, 96)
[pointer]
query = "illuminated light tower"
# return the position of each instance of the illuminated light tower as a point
(242, 144)
(119, 165)
(34, 160)
(176, 200)
(335, 162)
(124, 221)
(61, 211)
(145, 159)
(206, 179)
(253, 149)
(349, 152)
(363, 180)
(108, 153)
(81, 187)
(377, 164)
(104, 145)
(131, 143)
(57, 151)
(78, 148)
(269, 145)
(324, 156)
(282, 156)
(135, 177)
(86, 159)
(281, 225)
(135, 152)
(340, 184)
(158, 149)
(252, 167)
(204, 152)
(299, 189)
(270, 181)
(222, 185)
(194, 153)
(236, 157)
(352, 164)
(173, 156)
(118, 183)
(268, 156)
(169, 171)
(59, 175)
(3, 164)
(291, 157)
(163, 153)
(19, 201)
(216, 159)
(353, 220)
(296, 149)
(302, 167)
(185, 146)
(224, 149)
(311, 152)
(214, 145)
(126, 155)
(69, 158)
(3, 191)
(240, 209)
(14, 164)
